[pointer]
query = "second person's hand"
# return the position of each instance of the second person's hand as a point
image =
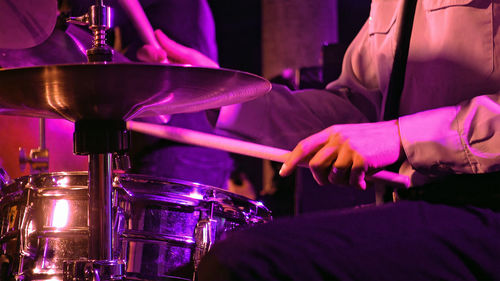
(174, 52)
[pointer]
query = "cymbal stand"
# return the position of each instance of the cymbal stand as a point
(98, 139)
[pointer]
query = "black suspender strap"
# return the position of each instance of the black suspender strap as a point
(397, 79)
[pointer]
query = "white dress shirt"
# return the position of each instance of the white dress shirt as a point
(450, 104)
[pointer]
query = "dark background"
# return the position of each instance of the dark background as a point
(238, 25)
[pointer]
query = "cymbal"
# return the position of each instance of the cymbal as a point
(122, 90)
(59, 48)
(26, 23)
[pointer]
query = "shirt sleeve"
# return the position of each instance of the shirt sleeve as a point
(457, 139)
(360, 77)
(283, 117)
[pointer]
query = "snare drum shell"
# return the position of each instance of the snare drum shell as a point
(160, 227)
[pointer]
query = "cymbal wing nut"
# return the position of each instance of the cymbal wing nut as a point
(99, 20)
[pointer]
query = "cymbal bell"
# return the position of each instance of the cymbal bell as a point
(122, 90)
(26, 23)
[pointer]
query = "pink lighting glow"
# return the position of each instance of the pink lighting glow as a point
(63, 182)
(195, 195)
(61, 213)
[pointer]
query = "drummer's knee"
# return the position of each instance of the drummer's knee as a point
(213, 268)
(234, 258)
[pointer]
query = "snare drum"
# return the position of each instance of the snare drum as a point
(161, 228)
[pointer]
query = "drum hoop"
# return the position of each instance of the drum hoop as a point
(247, 207)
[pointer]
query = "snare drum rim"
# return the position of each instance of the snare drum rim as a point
(258, 209)
(23, 182)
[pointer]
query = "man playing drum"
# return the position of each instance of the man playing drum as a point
(445, 140)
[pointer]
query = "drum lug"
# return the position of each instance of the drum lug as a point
(119, 221)
(203, 234)
(118, 229)
(204, 238)
(25, 232)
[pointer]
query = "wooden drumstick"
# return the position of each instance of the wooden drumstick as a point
(244, 148)
(141, 23)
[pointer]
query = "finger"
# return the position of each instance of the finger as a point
(301, 153)
(293, 160)
(343, 165)
(345, 157)
(175, 50)
(358, 172)
(321, 163)
(182, 54)
(149, 53)
(304, 151)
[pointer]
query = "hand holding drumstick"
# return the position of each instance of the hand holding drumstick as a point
(158, 47)
(255, 150)
(347, 153)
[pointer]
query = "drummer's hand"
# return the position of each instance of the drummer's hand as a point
(174, 53)
(343, 154)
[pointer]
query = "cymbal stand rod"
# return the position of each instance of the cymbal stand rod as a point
(100, 207)
(99, 139)
(38, 158)
(42, 133)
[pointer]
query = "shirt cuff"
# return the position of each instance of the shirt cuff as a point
(431, 141)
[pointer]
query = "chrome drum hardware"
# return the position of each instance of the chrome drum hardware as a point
(161, 227)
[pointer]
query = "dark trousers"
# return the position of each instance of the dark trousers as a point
(407, 240)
